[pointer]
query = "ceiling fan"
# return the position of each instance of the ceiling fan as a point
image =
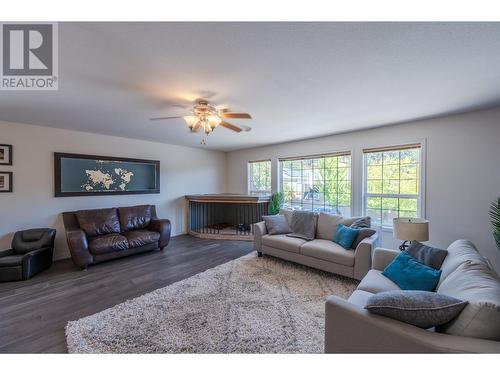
(207, 117)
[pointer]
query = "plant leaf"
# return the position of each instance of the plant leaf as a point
(495, 220)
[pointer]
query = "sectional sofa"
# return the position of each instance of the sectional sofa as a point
(466, 275)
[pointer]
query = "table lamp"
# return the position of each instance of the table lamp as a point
(409, 229)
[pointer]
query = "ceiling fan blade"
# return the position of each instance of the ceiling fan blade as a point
(165, 118)
(232, 127)
(236, 115)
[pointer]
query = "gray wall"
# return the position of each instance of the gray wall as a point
(462, 171)
(32, 204)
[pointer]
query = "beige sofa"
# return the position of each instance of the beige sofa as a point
(320, 253)
(349, 328)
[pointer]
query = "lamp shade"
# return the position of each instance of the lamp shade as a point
(411, 229)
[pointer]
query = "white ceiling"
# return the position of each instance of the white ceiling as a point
(298, 80)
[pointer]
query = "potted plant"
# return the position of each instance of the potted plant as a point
(495, 220)
(276, 203)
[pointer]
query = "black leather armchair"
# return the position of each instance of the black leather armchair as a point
(31, 253)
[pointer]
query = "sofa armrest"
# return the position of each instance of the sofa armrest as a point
(350, 328)
(259, 229)
(382, 257)
(36, 261)
(163, 227)
(79, 247)
(363, 256)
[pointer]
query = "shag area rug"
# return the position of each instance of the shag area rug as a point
(248, 305)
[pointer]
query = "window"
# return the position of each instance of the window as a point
(317, 183)
(259, 177)
(392, 183)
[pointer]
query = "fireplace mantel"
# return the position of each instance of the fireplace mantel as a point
(229, 198)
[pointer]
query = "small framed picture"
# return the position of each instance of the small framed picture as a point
(6, 182)
(5, 154)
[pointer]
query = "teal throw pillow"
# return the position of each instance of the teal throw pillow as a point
(409, 274)
(345, 236)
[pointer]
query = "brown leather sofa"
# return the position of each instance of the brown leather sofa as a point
(95, 236)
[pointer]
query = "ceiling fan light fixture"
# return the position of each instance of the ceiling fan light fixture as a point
(206, 126)
(214, 121)
(206, 117)
(191, 121)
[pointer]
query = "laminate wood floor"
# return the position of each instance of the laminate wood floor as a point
(33, 313)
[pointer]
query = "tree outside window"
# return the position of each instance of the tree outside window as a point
(392, 184)
(321, 183)
(259, 177)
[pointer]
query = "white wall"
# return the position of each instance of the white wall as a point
(462, 171)
(184, 170)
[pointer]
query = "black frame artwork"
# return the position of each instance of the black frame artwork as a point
(58, 183)
(9, 154)
(11, 182)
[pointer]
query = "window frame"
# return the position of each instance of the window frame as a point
(249, 177)
(325, 154)
(421, 183)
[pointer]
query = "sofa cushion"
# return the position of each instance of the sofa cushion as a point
(359, 297)
(137, 238)
(415, 307)
(282, 242)
(11, 260)
(427, 255)
(459, 252)
(477, 284)
(98, 222)
(107, 243)
(327, 224)
(329, 251)
(135, 217)
(287, 214)
(276, 224)
(375, 282)
(409, 274)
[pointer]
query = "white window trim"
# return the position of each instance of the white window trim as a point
(249, 177)
(421, 198)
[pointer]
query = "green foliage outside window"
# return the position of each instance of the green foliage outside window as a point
(392, 184)
(260, 177)
(317, 184)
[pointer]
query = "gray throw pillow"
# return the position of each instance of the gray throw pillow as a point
(362, 222)
(276, 224)
(415, 307)
(427, 255)
(363, 233)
